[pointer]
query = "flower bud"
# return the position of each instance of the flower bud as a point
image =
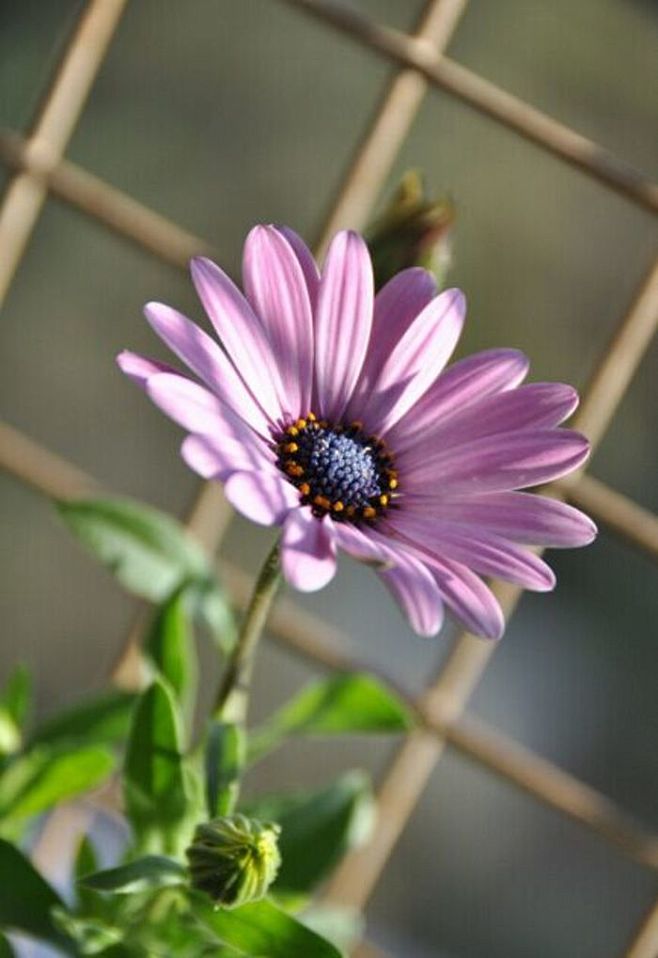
(413, 230)
(234, 859)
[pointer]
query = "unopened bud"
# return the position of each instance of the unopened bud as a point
(234, 859)
(413, 230)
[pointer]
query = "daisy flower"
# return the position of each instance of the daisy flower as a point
(329, 411)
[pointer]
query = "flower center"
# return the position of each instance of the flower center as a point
(339, 469)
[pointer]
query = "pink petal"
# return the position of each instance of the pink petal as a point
(359, 545)
(458, 387)
(397, 305)
(265, 499)
(343, 322)
(275, 285)
(500, 463)
(483, 552)
(206, 359)
(469, 598)
(188, 403)
(415, 591)
(520, 516)
(240, 331)
(534, 406)
(308, 551)
(415, 361)
(306, 261)
(139, 368)
(217, 457)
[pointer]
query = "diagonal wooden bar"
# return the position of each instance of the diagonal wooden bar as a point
(445, 700)
(488, 99)
(645, 940)
(400, 102)
(104, 203)
(52, 128)
(617, 514)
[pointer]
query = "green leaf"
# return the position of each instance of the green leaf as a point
(26, 900)
(14, 705)
(213, 612)
(104, 720)
(6, 951)
(354, 702)
(154, 778)
(170, 646)
(224, 758)
(92, 936)
(149, 552)
(317, 828)
(261, 929)
(44, 777)
(143, 874)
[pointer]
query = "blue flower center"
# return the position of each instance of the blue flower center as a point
(339, 470)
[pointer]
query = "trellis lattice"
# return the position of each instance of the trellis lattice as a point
(40, 170)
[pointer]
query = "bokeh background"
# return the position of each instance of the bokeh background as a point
(223, 113)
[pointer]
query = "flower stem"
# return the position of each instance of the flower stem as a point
(233, 696)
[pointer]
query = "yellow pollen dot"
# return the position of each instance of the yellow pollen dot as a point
(383, 500)
(322, 502)
(392, 482)
(311, 417)
(291, 447)
(292, 431)
(305, 488)
(369, 512)
(293, 468)
(338, 506)
(301, 424)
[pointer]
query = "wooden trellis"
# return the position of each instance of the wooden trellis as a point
(40, 170)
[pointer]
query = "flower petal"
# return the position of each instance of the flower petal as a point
(306, 261)
(206, 359)
(473, 603)
(415, 591)
(359, 545)
(308, 551)
(189, 404)
(140, 368)
(265, 499)
(240, 331)
(534, 406)
(483, 552)
(520, 516)
(275, 285)
(457, 388)
(217, 457)
(343, 322)
(415, 361)
(500, 463)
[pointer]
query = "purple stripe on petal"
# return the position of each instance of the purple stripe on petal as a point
(217, 457)
(308, 551)
(239, 330)
(534, 406)
(306, 261)
(342, 323)
(520, 516)
(414, 589)
(482, 551)
(275, 285)
(457, 388)
(472, 602)
(140, 368)
(190, 405)
(415, 361)
(360, 546)
(265, 499)
(500, 463)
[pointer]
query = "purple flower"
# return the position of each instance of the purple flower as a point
(329, 412)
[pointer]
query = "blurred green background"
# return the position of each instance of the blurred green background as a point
(223, 113)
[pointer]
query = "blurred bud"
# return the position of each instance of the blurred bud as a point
(234, 859)
(412, 231)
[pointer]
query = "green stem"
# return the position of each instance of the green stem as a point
(233, 695)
